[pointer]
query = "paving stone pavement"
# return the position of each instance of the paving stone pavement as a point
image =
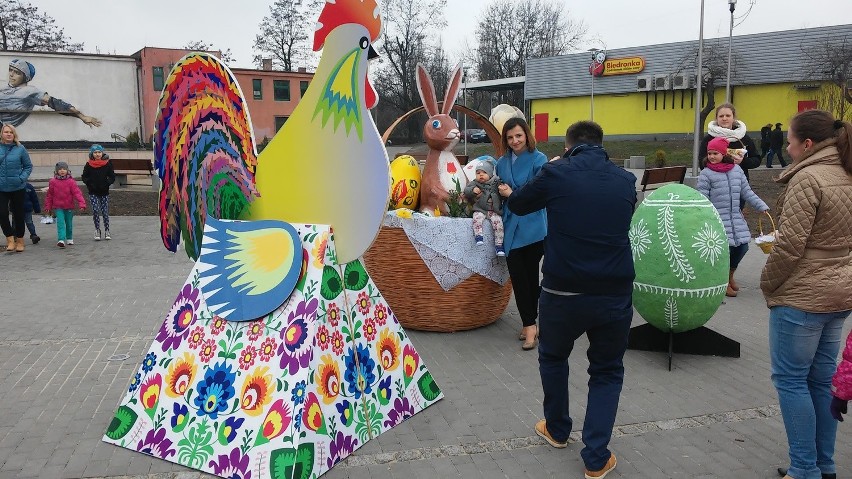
(66, 312)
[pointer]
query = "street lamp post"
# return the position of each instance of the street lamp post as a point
(698, 93)
(597, 56)
(733, 5)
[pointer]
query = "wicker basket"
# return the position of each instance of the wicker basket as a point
(766, 246)
(416, 298)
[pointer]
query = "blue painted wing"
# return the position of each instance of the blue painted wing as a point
(247, 269)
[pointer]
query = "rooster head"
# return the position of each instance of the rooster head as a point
(340, 12)
(365, 13)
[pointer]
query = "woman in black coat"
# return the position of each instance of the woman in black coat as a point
(728, 127)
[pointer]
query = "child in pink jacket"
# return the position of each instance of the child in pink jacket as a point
(841, 385)
(63, 197)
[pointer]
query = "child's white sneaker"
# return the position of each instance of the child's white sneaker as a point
(500, 250)
(69, 241)
(97, 235)
(60, 243)
(107, 236)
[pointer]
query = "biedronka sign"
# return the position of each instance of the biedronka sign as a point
(623, 66)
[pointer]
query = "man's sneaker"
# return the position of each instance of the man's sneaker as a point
(60, 243)
(35, 239)
(501, 251)
(69, 241)
(608, 467)
(106, 237)
(541, 430)
(479, 241)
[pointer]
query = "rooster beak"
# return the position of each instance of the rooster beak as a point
(371, 53)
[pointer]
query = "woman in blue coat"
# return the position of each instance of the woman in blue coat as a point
(15, 169)
(523, 237)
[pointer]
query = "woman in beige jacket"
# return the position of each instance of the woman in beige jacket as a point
(806, 284)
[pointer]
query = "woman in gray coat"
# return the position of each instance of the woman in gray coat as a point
(724, 184)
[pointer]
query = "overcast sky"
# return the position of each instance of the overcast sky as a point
(125, 26)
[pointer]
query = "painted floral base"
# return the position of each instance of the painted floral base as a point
(286, 396)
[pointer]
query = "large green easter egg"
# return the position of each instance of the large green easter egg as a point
(681, 256)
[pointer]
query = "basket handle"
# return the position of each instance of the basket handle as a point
(760, 223)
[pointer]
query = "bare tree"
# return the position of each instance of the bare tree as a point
(831, 62)
(714, 65)
(510, 32)
(410, 35)
(201, 46)
(24, 28)
(285, 34)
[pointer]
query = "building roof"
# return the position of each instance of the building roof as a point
(774, 57)
(500, 84)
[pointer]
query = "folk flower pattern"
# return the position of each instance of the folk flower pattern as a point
(296, 341)
(360, 375)
(196, 337)
(388, 350)
(256, 392)
(234, 465)
(180, 374)
(208, 350)
(318, 251)
(255, 329)
(327, 378)
(364, 302)
(341, 447)
(380, 314)
(218, 325)
(156, 444)
(401, 411)
(369, 329)
(224, 397)
(215, 391)
(323, 337)
(180, 318)
(248, 356)
(332, 313)
(267, 348)
(337, 343)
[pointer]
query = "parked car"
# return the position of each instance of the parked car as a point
(475, 135)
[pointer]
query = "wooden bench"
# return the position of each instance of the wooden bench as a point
(653, 178)
(134, 166)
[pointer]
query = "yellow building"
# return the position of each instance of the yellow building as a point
(649, 92)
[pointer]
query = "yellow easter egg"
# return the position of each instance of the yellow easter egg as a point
(405, 183)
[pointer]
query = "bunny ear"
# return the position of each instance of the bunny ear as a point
(427, 91)
(453, 88)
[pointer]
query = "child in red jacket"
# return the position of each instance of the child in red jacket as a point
(841, 385)
(63, 197)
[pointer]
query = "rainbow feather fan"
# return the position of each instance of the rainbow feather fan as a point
(204, 150)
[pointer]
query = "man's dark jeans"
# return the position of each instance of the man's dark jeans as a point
(606, 320)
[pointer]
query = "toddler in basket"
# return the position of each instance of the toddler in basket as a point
(724, 183)
(487, 203)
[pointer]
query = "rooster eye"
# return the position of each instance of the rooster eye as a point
(436, 124)
(364, 42)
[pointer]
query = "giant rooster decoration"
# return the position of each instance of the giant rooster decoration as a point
(279, 357)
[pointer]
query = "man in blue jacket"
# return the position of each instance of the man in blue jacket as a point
(587, 285)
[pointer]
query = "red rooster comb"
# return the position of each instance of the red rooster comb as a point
(341, 12)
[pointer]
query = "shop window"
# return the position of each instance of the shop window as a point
(257, 90)
(279, 122)
(281, 90)
(159, 78)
